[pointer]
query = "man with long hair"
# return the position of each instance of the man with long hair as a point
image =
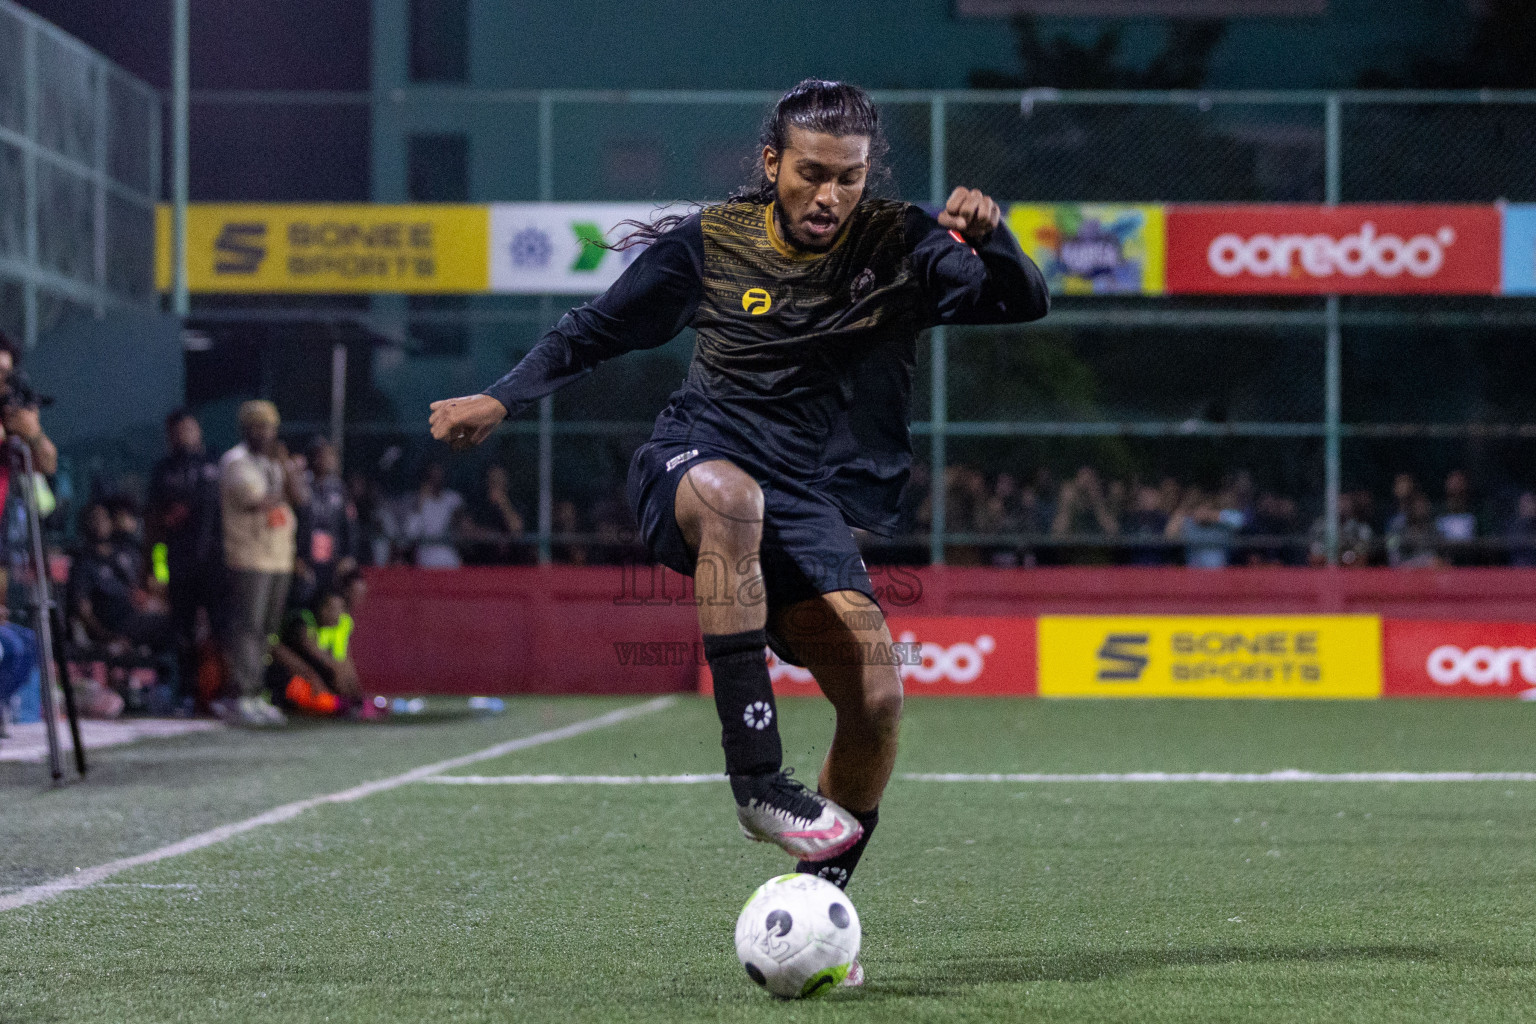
(807, 297)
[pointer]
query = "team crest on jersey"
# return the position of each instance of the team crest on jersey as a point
(756, 301)
(861, 284)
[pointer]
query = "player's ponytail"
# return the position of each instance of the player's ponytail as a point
(832, 108)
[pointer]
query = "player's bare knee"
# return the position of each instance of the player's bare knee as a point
(731, 508)
(881, 708)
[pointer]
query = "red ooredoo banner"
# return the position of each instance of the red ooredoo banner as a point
(1346, 250)
(989, 656)
(1434, 658)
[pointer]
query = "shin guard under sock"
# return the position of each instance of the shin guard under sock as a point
(749, 719)
(838, 870)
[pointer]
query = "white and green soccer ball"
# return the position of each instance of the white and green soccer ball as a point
(797, 936)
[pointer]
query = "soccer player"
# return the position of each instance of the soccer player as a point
(807, 297)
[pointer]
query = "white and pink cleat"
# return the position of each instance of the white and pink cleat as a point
(774, 808)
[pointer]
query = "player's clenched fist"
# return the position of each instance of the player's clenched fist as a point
(972, 213)
(465, 422)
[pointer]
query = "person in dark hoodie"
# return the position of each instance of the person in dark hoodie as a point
(181, 524)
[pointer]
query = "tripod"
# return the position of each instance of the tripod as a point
(50, 633)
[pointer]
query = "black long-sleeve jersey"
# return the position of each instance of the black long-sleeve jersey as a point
(803, 361)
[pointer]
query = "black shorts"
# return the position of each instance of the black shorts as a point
(807, 549)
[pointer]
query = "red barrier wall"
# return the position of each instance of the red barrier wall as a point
(611, 630)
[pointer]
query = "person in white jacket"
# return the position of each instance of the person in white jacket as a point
(259, 491)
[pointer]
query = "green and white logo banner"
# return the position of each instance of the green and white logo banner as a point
(550, 248)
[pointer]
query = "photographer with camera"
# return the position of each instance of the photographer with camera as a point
(19, 406)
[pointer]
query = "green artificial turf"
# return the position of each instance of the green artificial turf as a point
(1122, 902)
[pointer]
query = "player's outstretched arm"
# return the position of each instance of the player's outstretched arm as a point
(971, 266)
(650, 303)
(465, 422)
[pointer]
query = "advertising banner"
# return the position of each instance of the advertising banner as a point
(551, 248)
(1347, 250)
(1519, 270)
(978, 656)
(328, 248)
(1436, 658)
(1269, 656)
(1093, 248)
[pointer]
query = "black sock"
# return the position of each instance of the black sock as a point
(838, 870)
(749, 719)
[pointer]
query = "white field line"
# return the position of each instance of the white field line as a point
(1289, 775)
(572, 780)
(89, 876)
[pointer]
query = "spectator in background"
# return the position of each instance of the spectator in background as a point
(432, 520)
(492, 527)
(965, 497)
(1355, 537)
(1365, 507)
(1082, 510)
(1411, 539)
(106, 595)
(1456, 524)
(259, 487)
(1261, 529)
(327, 524)
(183, 520)
(567, 520)
(312, 671)
(1146, 521)
(1199, 523)
(1002, 512)
(613, 523)
(1404, 490)
(370, 545)
(1522, 532)
(128, 538)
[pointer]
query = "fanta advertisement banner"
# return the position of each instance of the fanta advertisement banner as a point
(1093, 248)
(555, 248)
(948, 656)
(1432, 658)
(1519, 256)
(331, 248)
(1346, 250)
(1257, 656)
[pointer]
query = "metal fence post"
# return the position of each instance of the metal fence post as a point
(30, 102)
(99, 194)
(547, 403)
(180, 98)
(1332, 369)
(938, 399)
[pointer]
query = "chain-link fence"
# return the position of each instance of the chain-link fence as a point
(79, 176)
(1272, 429)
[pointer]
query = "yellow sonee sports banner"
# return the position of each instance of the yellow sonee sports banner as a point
(331, 247)
(1270, 656)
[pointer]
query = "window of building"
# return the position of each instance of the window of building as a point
(437, 168)
(439, 40)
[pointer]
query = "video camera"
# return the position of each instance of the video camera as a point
(17, 392)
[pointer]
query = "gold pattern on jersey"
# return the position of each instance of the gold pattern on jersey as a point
(783, 248)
